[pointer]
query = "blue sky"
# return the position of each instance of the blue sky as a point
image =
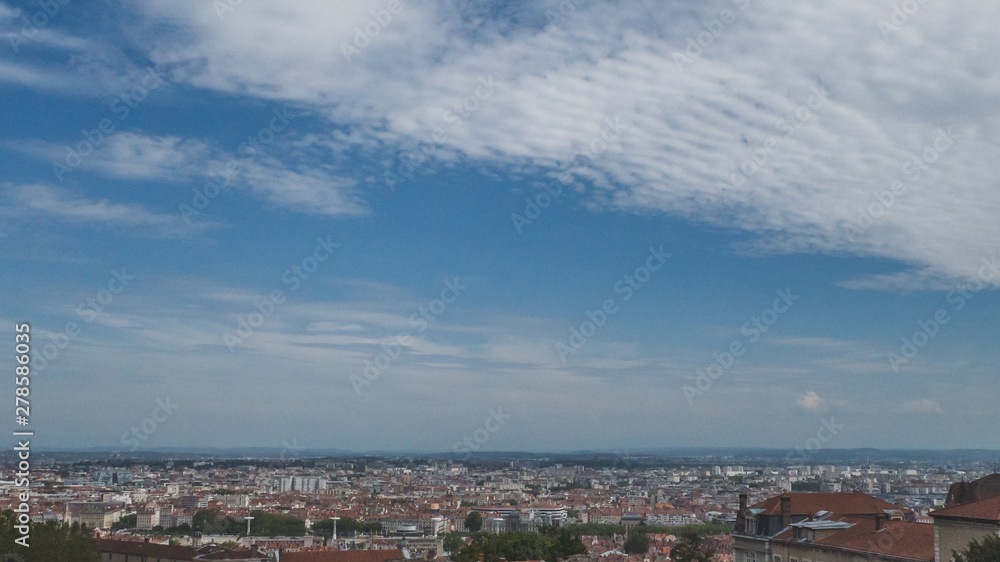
(314, 224)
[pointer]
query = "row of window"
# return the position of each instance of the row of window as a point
(752, 557)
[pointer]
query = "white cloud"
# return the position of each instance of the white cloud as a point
(46, 58)
(811, 402)
(689, 130)
(130, 155)
(307, 191)
(903, 281)
(922, 407)
(57, 203)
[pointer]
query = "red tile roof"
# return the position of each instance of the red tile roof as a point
(809, 503)
(983, 510)
(152, 550)
(896, 538)
(343, 556)
(146, 549)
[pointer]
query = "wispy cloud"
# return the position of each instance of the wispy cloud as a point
(692, 129)
(53, 203)
(924, 406)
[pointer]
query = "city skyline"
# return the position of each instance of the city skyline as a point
(404, 226)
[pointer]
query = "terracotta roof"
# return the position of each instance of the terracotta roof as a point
(137, 548)
(342, 556)
(146, 549)
(903, 539)
(967, 492)
(809, 503)
(984, 510)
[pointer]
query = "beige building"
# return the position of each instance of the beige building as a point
(955, 527)
(96, 515)
(147, 518)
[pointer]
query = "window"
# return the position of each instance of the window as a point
(749, 557)
(777, 559)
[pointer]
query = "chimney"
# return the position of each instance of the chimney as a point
(741, 518)
(786, 511)
(879, 521)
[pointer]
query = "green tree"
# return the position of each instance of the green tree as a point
(206, 521)
(548, 544)
(566, 544)
(474, 521)
(453, 542)
(637, 542)
(346, 527)
(211, 523)
(48, 542)
(985, 550)
(126, 522)
(604, 530)
(692, 548)
(273, 525)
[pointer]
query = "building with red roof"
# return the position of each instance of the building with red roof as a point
(955, 527)
(799, 526)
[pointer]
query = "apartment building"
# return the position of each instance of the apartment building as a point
(96, 515)
(955, 527)
(829, 527)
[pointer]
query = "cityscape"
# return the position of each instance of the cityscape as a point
(408, 507)
(500, 281)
